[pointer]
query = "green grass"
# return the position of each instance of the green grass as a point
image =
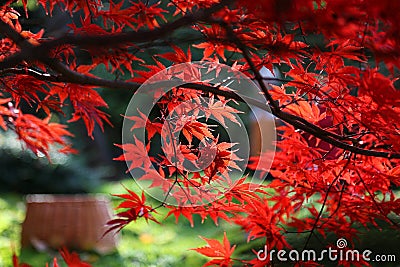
(11, 215)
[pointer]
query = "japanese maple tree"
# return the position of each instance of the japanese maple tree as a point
(336, 104)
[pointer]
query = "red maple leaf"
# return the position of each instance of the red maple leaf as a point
(178, 56)
(220, 252)
(72, 259)
(142, 121)
(197, 129)
(16, 263)
(136, 153)
(220, 110)
(39, 134)
(86, 103)
(187, 212)
(134, 208)
(214, 47)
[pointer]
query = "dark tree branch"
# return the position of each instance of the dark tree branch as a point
(40, 52)
(64, 74)
(233, 38)
(69, 76)
(297, 122)
(18, 39)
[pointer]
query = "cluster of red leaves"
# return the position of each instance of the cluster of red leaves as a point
(339, 61)
(85, 102)
(39, 134)
(72, 259)
(370, 24)
(348, 185)
(134, 207)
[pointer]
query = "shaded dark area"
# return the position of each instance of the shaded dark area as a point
(22, 172)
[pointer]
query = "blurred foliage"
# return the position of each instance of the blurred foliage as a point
(12, 214)
(23, 172)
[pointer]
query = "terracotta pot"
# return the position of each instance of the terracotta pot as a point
(74, 221)
(262, 134)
